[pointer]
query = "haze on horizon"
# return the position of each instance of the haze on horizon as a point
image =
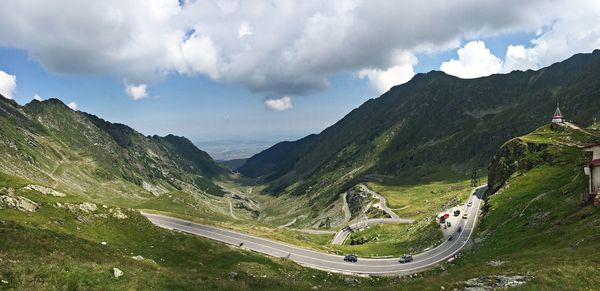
(266, 70)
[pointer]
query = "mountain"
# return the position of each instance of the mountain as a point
(48, 143)
(435, 123)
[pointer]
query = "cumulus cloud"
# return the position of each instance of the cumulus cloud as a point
(73, 105)
(8, 85)
(136, 92)
(295, 46)
(281, 104)
(383, 80)
(474, 60)
(37, 97)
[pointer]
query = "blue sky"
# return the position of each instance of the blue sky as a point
(205, 69)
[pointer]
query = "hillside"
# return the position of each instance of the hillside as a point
(48, 143)
(433, 123)
(535, 223)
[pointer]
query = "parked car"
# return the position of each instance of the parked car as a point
(465, 216)
(448, 224)
(450, 238)
(405, 259)
(446, 215)
(469, 204)
(456, 212)
(459, 229)
(351, 258)
(442, 219)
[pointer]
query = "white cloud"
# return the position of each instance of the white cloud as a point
(73, 105)
(383, 80)
(295, 45)
(200, 56)
(571, 34)
(37, 97)
(244, 30)
(474, 60)
(136, 92)
(8, 85)
(281, 104)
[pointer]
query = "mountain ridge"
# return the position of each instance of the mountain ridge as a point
(434, 122)
(89, 151)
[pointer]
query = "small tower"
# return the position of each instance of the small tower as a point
(558, 117)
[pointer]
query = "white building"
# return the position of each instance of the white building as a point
(592, 170)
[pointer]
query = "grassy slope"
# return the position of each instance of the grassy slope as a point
(63, 250)
(536, 225)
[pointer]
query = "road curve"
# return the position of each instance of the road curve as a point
(343, 233)
(331, 262)
(382, 201)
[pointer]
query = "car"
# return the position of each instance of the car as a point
(459, 229)
(446, 215)
(448, 224)
(449, 238)
(405, 259)
(351, 258)
(442, 219)
(470, 204)
(465, 216)
(456, 212)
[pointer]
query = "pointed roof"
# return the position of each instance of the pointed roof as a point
(557, 113)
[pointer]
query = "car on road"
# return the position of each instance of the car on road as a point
(470, 204)
(442, 219)
(405, 259)
(456, 212)
(448, 224)
(459, 229)
(465, 216)
(351, 258)
(446, 215)
(449, 238)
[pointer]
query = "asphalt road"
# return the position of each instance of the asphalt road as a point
(343, 233)
(331, 262)
(382, 202)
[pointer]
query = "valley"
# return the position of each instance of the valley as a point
(89, 195)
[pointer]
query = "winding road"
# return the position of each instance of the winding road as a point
(343, 233)
(331, 262)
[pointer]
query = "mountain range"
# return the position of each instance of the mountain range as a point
(435, 124)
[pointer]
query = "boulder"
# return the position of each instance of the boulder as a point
(117, 272)
(117, 213)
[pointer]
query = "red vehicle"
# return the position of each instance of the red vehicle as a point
(446, 215)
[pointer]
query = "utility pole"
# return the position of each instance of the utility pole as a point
(475, 181)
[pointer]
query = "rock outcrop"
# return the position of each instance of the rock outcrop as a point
(19, 203)
(45, 190)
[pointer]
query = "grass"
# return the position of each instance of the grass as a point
(394, 239)
(423, 200)
(61, 250)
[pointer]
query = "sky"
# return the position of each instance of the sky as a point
(272, 70)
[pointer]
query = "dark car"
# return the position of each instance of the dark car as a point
(450, 238)
(459, 229)
(351, 258)
(405, 259)
(456, 212)
(442, 219)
